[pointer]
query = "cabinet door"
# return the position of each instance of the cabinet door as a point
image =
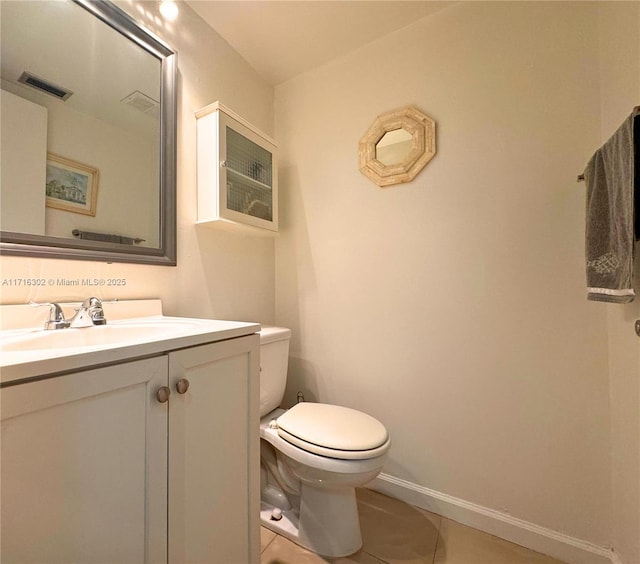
(248, 187)
(214, 456)
(83, 467)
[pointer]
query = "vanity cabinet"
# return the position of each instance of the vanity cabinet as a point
(97, 467)
(237, 170)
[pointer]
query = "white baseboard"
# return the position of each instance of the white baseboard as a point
(532, 536)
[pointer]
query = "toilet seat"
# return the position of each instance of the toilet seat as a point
(333, 431)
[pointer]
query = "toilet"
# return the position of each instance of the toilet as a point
(312, 457)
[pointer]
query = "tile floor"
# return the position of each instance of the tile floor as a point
(394, 532)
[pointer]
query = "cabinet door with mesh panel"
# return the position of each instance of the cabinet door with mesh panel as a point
(248, 178)
(248, 189)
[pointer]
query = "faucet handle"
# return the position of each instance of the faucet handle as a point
(93, 306)
(92, 302)
(56, 315)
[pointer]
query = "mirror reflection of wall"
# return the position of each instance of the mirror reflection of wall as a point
(22, 174)
(394, 147)
(110, 122)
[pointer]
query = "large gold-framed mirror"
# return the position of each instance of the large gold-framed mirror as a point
(397, 146)
(88, 167)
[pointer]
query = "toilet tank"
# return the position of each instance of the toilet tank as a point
(274, 361)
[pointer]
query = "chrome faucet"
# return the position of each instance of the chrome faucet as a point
(88, 314)
(56, 318)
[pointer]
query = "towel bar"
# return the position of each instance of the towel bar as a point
(106, 237)
(636, 113)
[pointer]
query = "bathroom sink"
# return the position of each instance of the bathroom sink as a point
(134, 329)
(116, 334)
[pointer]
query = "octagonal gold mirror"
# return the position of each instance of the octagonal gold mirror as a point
(397, 146)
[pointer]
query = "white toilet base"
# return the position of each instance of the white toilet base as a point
(328, 523)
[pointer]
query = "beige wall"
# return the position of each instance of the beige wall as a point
(23, 174)
(453, 308)
(619, 27)
(219, 274)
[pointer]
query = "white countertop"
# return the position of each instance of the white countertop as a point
(180, 333)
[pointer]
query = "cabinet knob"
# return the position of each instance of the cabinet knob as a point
(182, 386)
(163, 394)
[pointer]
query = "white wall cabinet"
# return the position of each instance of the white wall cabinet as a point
(95, 469)
(237, 170)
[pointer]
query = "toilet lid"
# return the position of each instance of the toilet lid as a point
(324, 428)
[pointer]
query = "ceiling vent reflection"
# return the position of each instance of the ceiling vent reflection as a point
(44, 85)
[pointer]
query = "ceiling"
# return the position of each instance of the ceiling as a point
(100, 83)
(282, 38)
